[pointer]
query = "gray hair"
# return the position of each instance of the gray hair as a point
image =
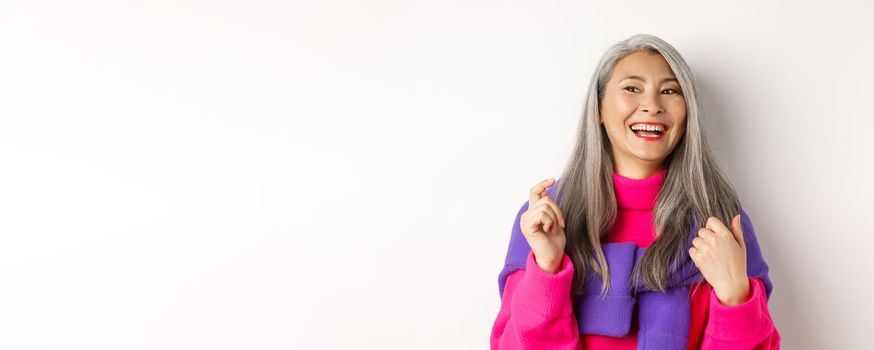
(693, 184)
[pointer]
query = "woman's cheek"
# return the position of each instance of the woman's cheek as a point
(679, 106)
(627, 104)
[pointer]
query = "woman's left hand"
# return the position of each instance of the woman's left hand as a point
(721, 256)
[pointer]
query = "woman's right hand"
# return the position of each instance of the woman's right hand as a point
(543, 227)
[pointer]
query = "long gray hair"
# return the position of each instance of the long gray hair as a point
(693, 184)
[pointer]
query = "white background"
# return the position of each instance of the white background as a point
(344, 175)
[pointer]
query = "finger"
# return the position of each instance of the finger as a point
(716, 225)
(547, 216)
(707, 234)
(548, 201)
(537, 191)
(737, 229)
(699, 242)
(548, 223)
(539, 218)
(694, 254)
(720, 231)
(532, 220)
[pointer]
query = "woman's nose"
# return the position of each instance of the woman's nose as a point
(650, 103)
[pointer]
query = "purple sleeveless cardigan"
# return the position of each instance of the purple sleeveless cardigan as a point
(663, 317)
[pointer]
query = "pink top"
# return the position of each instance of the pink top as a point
(537, 312)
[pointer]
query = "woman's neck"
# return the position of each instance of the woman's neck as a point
(639, 171)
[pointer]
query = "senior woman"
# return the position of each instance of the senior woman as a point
(642, 243)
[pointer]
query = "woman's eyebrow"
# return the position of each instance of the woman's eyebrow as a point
(637, 77)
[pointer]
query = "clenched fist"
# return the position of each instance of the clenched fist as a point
(721, 255)
(543, 227)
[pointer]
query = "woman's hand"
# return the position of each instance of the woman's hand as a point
(721, 256)
(543, 227)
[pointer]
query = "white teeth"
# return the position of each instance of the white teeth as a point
(648, 127)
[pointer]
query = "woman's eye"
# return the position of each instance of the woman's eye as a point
(634, 89)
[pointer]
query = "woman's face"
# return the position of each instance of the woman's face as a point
(642, 89)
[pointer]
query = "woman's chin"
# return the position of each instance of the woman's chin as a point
(650, 155)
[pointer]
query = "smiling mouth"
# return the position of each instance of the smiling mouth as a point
(644, 133)
(648, 135)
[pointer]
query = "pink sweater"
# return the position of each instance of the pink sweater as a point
(537, 312)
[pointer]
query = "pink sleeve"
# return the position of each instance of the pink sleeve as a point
(744, 326)
(536, 310)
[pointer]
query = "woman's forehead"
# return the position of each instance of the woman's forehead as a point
(645, 67)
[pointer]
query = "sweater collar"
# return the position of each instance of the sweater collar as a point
(637, 193)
